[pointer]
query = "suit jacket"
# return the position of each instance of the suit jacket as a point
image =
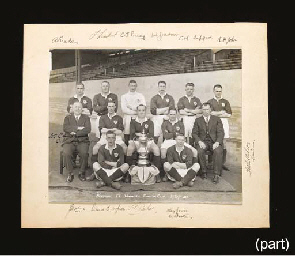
(71, 125)
(216, 131)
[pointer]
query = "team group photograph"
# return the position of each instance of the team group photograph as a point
(147, 121)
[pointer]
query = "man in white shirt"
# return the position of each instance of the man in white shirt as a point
(129, 103)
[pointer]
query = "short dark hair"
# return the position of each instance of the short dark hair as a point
(172, 108)
(80, 84)
(132, 82)
(207, 104)
(141, 105)
(190, 84)
(110, 132)
(161, 82)
(218, 86)
(105, 82)
(179, 134)
(111, 102)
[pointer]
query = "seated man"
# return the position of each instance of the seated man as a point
(208, 134)
(82, 98)
(179, 166)
(76, 127)
(137, 126)
(110, 166)
(110, 122)
(170, 128)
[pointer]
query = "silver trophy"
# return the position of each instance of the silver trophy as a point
(142, 150)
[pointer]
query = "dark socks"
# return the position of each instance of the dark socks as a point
(117, 174)
(162, 172)
(105, 178)
(195, 160)
(188, 177)
(174, 174)
(126, 138)
(157, 162)
(224, 156)
(129, 160)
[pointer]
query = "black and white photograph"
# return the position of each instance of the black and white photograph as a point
(145, 126)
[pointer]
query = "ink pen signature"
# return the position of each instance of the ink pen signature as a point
(249, 156)
(62, 39)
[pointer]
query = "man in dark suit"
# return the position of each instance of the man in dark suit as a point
(208, 134)
(76, 127)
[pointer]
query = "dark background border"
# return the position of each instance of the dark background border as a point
(162, 241)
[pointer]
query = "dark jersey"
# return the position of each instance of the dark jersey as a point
(115, 122)
(185, 156)
(158, 102)
(100, 103)
(192, 104)
(104, 154)
(136, 127)
(86, 103)
(170, 130)
(220, 105)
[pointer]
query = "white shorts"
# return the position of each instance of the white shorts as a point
(182, 173)
(188, 122)
(94, 121)
(169, 143)
(126, 123)
(225, 127)
(103, 140)
(109, 172)
(158, 120)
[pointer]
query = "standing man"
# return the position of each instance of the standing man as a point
(222, 109)
(179, 166)
(159, 107)
(76, 127)
(189, 107)
(110, 166)
(129, 103)
(208, 134)
(100, 103)
(137, 126)
(82, 98)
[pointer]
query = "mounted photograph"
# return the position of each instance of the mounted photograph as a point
(145, 126)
